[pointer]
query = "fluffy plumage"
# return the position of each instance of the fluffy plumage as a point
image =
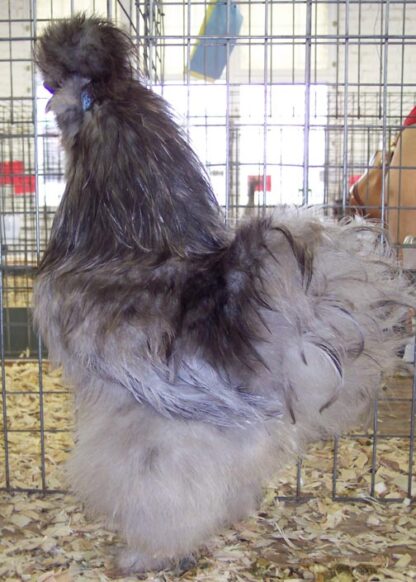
(202, 358)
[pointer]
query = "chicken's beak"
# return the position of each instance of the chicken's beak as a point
(48, 105)
(51, 91)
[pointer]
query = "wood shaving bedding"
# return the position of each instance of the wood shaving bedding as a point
(47, 538)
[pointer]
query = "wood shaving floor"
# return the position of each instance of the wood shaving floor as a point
(47, 538)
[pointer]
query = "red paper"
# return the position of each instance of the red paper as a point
(24, 184)
(10, 170)
(258, 183)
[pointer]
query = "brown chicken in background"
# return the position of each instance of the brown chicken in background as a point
(399, 176)
(401, 185)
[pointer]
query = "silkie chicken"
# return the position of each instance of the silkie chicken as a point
(203, 358)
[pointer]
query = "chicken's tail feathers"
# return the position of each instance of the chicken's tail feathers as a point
(339, 331)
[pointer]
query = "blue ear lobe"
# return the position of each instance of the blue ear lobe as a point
(86, 100)
(49, 88)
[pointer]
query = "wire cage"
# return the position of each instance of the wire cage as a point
(285, 101)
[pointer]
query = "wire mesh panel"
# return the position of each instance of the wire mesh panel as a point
(298, 102)
(36, 413)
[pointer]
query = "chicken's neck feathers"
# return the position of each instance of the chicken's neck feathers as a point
(134, 185)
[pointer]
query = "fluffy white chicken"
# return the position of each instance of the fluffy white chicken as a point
(202, 358)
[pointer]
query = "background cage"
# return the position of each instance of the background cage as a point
(308, 90)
